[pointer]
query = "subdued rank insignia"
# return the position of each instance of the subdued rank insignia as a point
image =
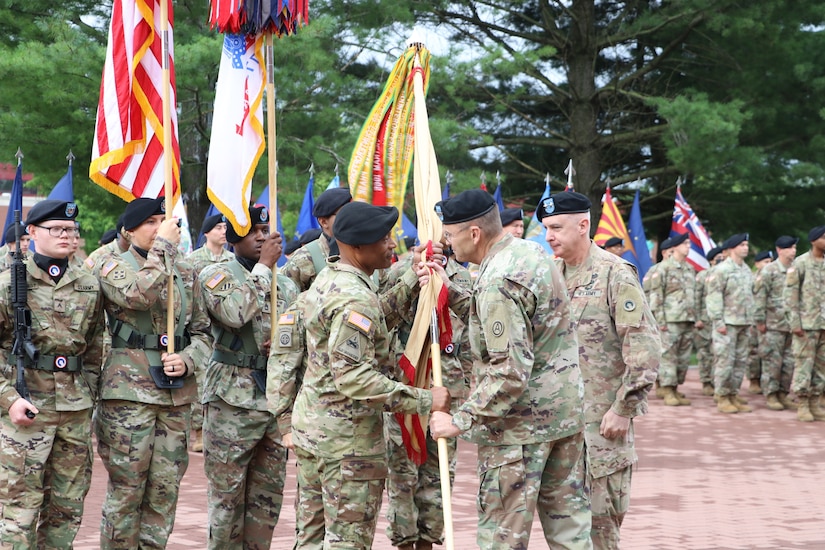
(360, 322)
(118, 274)
(285, 338)
(266, 308)
(351, 347)
(286, 319)
(215, 281)
(110, 265)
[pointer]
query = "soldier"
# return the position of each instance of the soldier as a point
(774, 332)
(244, 460)
(46, 461)
(113, 247)
(730, 308)
(806, 317)
(619, 351)
(761, 260)
(337, 417)
(305, 264)
(11, 246)
(615, 246)
(672, 301)
(512, 221)
(702, 336)
(146, 393)
(212, 251)
(525, 412)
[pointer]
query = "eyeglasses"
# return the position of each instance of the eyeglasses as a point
(449, 236)
(60, 231)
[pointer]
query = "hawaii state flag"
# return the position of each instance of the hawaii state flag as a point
(237, 141)
(128, 148)
(686, 221)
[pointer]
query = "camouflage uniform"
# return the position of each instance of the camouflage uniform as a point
(101, 254)
(6, 260)
(775, 343)
(415, 508)
(525, 412)
(619, 353)
(702, 337)
(805, 309)
(199, 259)
(142, 429)
(46, 468)
(730, 304)
(672, 302)
(244, 461)
(301, 268)
(337, 421)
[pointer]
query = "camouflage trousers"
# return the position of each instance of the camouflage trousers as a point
(144, 449)
(245, 468)
(338, 501)
(516, 481)
(46, 470)
(610, 499)
(731, 353)
(809, 353)
(196, 423)
(777, 361)
(702, 340)
(415, 508)
(677, 345)
(755, 359)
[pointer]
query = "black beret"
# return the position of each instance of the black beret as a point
(360, 223)
(140, 210)
(331, 201)
(467, 205)
(613, 241)
(108, 236)
(785, 241)
(292, 246)
(119, 225)
(764, 255)
(674, 241)
(510, 215)
(309, 236)
(665, 244)
(210, 222)
(713, 252)
(816, 233)
(258, 215)
(734, 241)
(11, 235)
(51, 209)
(566, 202)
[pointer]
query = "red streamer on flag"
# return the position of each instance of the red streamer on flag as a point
(281, 17)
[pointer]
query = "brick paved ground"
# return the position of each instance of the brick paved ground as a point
(704, 481)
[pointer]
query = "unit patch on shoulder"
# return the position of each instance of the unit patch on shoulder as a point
(358, 321)
(110, 265)
(215, 281)
(118, 274)
(351, 347)
(629, 305)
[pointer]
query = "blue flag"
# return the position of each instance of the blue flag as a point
(638, 245)
(201, 237)
(497, 197)
(263, 198)
(408, 227)
(64, 190)
(335, 183)
(535, 231)
(15, 200)
(445, 194)
(306, 220)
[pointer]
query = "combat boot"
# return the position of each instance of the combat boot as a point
(681, 397)
(738, 400)
(660, 391)
(803, 413)
(671, 399)
(773, 402)
(813, 406)
(423, 545)
(707, 389)
(754, 386)
(724, 405)
(739, 403)
(197, 441)
(786, 401)
(408, 546)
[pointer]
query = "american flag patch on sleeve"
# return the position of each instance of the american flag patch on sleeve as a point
(215, 281)
(359, 321)
(286, 319)
(110, 265)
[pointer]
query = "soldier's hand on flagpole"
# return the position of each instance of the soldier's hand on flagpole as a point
(441, 425)
(425, 270)
(441, 398)
(170, 230)
(173, 365)
(17, 412)
(271, 249)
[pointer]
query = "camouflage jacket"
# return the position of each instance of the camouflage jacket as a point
(700, 295)
(6, 260)
(768, 294)
(203, 257)
(232, 304)
(527, 385)
(286, 365)
(729, 295)
(300, 267)
(346, 387)
(804, 283)
(128, 293)
(671, 293)
(67, 320)
(648, 280)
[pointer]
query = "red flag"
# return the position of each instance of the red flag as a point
(128, 148)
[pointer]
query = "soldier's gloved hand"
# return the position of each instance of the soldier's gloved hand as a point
(170, 230)
(271, 249)
(17, 412)
(441, 399)
(173, 365)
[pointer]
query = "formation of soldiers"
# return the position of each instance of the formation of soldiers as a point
(767, 323)
(548, 365)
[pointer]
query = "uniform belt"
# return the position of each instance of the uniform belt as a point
(58, 363)
(125, 336)
(257, 362)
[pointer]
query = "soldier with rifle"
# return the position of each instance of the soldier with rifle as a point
(51, 321)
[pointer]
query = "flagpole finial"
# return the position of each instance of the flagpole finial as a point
(547, 178)
(498, 177)
(678, 182)
(336, 169)
(484, 177)
(19, 155)
(609, 182)
(415, 38)
(448, 177)
(311, 169)
(70, 157)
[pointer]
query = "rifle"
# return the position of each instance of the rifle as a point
(23, 347)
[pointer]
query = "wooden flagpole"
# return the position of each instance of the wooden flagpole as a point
(443, 451)
(168, 159)
(273, 170)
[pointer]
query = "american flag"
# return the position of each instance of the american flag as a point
(128, 148)
(685, 221)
